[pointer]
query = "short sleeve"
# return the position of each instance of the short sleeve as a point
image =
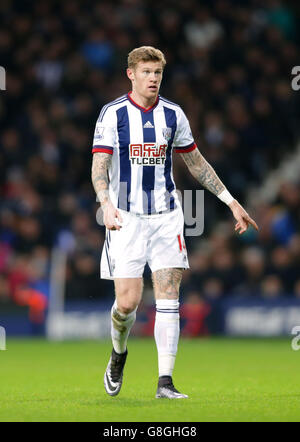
(183, 140)
(105, 132)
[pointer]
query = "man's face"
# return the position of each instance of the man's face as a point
(146, 78)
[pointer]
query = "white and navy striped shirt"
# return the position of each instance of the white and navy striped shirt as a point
(141, 142)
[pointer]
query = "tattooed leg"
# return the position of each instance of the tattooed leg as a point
(166, 283)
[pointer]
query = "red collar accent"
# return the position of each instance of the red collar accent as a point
(141, 107)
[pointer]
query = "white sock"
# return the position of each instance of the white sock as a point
(166, 333)
(121, 325)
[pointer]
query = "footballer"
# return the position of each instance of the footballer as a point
(134, 140)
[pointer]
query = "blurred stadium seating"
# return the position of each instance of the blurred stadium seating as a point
(229, 66)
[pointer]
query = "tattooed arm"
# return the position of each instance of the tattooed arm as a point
(100, 165)
(207, 177)
(203, 172)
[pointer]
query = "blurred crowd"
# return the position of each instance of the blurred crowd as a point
(228, 65)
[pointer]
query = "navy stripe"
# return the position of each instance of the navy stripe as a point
(167, 311)
(111, 103)
(108, 261)
(104, 109)
(148, 171)
(99, 146)
(124, 162)
(107, 244)
(107, 239)
(171, 121)
(185, 147)
(107, 107)
(168, 101)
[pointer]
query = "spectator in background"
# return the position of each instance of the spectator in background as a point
(294, 249)
(226, 269)
(296, 291)
(213, 288)
(281, 17)
(271, 287)
(98, 50)
(283, 266)
(193, 314)
(5, 297)
(203, 31)
(253, 260)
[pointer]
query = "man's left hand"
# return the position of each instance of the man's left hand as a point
(242, 217)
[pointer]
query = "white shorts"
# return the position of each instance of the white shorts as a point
(153, 239)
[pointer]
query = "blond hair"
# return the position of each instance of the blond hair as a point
(145, 53)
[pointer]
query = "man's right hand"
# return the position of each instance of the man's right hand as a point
(111, 216)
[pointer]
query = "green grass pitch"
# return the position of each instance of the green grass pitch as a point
(226, 379)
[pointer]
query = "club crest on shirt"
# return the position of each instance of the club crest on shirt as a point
(167, 133)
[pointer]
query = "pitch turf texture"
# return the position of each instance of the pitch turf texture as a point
(226, 379)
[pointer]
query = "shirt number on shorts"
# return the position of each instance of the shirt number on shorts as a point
(181, 243)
